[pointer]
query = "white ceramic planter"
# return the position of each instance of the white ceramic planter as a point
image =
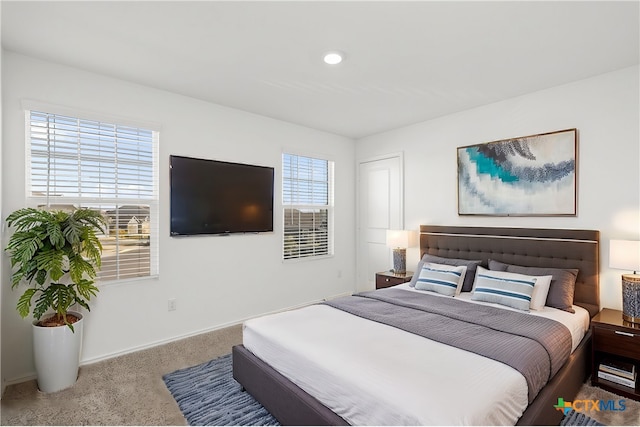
(57, 355)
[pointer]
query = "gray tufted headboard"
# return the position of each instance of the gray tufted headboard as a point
(532, 247)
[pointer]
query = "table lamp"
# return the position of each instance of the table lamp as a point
(398, 240)
(625, 255)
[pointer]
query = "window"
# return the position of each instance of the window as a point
(307, 199)
(73, 162)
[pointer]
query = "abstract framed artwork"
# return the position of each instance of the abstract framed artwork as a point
(526, 176)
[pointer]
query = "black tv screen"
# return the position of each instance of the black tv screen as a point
(215, 197)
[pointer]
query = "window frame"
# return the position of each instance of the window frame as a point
(153, 202)
(329, 207)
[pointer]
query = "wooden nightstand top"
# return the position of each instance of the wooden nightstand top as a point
(613, 318)
(407, 275)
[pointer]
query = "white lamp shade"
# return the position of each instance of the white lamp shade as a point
(398, 238)
(624, 254)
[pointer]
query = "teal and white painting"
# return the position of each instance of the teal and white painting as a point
(525, 176)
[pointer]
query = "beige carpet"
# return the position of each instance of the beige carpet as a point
(126, 390)
(129, 390)
(629, 417)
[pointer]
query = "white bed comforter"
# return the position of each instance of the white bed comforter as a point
(374, 374)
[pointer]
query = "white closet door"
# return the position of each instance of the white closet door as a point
(380, 207)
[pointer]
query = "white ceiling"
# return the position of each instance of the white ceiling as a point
(405, 61)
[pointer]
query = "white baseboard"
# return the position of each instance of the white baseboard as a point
(200, 331)
(32, 375)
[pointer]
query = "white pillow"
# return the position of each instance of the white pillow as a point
(500, 287)
(540, 292)
(441, 278)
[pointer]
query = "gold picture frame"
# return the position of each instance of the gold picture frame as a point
(532, 175)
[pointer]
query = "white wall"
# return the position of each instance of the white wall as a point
(604, 109)
(2, 240)
(217, 281)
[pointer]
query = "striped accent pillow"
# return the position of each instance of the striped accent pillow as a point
(510, 289)
(440, 278)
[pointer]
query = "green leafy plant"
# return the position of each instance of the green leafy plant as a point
(56, 253)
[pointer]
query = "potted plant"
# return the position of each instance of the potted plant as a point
(56, 254)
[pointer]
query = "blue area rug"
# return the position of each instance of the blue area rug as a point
(208, 395)
(574, 418)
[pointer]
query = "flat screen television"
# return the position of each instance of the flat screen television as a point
(215, 197)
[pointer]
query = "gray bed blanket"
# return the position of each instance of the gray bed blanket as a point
(535, 346)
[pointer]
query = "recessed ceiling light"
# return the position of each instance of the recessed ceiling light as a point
(333, 58)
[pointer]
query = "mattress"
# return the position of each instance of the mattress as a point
(373, 374)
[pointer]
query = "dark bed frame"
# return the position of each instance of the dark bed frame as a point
(558, 248)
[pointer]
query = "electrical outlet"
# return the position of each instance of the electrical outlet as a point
(172, 304)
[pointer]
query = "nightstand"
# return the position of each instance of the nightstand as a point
(384, 279)
(615, 339)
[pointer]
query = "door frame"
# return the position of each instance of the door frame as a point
(399, 155)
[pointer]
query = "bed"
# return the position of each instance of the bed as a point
(311, 382)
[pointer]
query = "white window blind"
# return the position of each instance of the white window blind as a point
(307, 198)
(73, 162)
